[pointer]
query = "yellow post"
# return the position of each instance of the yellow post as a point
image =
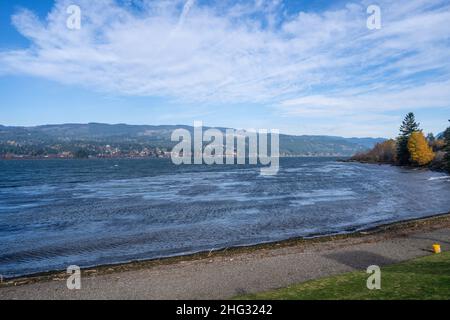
(437, 248)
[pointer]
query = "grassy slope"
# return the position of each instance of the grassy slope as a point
(423, 278)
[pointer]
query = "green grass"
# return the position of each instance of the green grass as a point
(423, 278)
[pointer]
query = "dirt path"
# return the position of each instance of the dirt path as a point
(224, 275)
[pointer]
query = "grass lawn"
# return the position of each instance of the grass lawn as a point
(423, 278)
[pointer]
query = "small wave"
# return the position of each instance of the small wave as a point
(439, 178)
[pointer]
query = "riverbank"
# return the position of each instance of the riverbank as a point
(437, 167)
(166, 157)
(227, 273)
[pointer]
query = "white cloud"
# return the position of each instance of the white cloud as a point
(434, 95)
(308, 64)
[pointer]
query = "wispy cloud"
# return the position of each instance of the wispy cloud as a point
(303, 63)
(433, 95)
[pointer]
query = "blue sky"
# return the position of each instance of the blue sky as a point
(303, 67)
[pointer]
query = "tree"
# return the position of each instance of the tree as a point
(447, 149)
(419, 150)
(409, 126)
(81, 154)
(431, 138)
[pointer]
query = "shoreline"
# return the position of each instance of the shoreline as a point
(340, 158)
(372, 234)
(393, 164)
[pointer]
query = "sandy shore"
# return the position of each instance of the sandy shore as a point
(226, 273)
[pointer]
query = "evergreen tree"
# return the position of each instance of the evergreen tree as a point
(447, 148)
(409, 126)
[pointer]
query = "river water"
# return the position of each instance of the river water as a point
(58, 213)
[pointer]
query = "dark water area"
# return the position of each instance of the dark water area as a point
(58, 213)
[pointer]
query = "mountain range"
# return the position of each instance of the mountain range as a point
(97, 138)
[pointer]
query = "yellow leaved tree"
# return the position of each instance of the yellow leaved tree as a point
(420, 151)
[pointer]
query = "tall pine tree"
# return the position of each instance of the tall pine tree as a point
(409, 126)
(447, 148)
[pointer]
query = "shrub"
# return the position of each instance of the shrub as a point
(384, 152)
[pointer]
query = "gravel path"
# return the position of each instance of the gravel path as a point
(224, 276)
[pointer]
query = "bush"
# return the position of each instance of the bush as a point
(437, 145)
(384, 152)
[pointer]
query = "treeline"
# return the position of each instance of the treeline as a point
(76, 149)
(411, 148)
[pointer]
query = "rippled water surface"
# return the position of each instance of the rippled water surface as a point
(58, 213)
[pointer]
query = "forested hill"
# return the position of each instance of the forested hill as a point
(126, 140)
